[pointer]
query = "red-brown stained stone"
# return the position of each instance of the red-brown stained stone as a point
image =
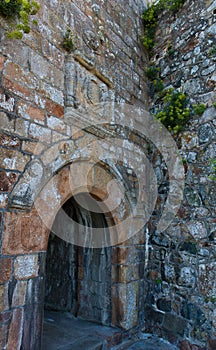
(120, 255)
(25, 110)
(16, 73)
(23, 233)
(5, 269)
(2, 59)
(8, 141)
(54, 109)
(32, 229)
(4, 297)
(18, 89)
(12, 233)
(7, 180)
(16, 329)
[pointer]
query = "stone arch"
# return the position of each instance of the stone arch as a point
(33, 226)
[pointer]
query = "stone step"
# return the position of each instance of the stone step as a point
(62, 331)
(86, 343)
(124, 345)
(148, 342)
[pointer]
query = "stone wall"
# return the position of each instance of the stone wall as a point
(161, 282)
(39, 83)
(181, 290)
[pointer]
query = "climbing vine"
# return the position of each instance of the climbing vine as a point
(21, 9)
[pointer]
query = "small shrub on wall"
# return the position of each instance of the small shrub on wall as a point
(150, 19)
(21, 9)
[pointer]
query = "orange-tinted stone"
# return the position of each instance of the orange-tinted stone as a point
(23, 233)
(7, 180)
(2, 59)
(54, 109)
(25, 110)
(5, 269)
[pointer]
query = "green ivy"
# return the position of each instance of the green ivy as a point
(21, 9)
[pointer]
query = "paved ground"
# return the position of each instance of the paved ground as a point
(62, 331)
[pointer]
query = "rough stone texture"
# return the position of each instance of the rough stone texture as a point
(161, 282)
(182, 260)
(26, 267)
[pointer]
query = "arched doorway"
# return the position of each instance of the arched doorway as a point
(78, 279)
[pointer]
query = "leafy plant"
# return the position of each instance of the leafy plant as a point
(174, 112)
(69, 41)
(10, 8)
(150, 19)
(21, 9)
(158, 85)
(211, 299)
(152, 72)
(199, 109)
(158, 281)
(212, 51)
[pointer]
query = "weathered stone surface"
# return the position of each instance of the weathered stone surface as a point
(3, 335)
(174, 324)
(13, 125)
(27, 111)
(8, 141)
(40, 133)
(16, 329)
(38, 80)
(5, 269)
(164, 304)
(193, 313)
(26, 267)
(7, 103)
(208, 115)
(205, 133)
(13, 160)
(19, 294)
(4, 302)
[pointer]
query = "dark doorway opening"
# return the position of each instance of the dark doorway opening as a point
(78, 279)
